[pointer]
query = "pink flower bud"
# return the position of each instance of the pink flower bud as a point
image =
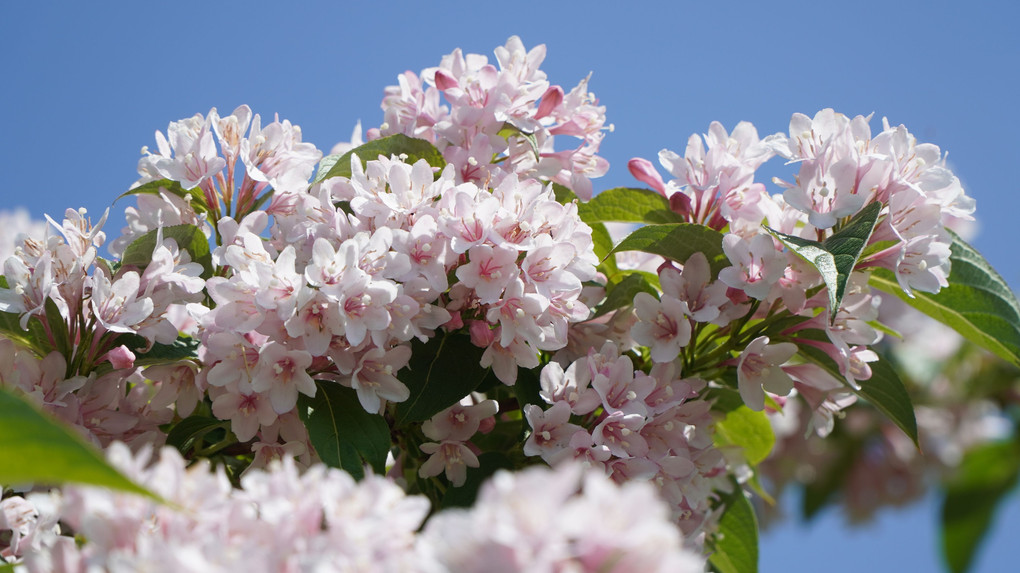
(121, 357)
(481, 335)
(680, 204)
(645, 172)
(551, 99)
(445, 81)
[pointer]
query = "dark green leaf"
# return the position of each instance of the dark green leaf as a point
(188, 237)
(988, 473)
(725, 400)
(184, 348)
(884, 390)
(342, 432)
(37, 449)
(678, 241)
(836, 257)
(193, 196)
(977, 303)
(190, 431)
(398, 144)
(527, 388)
(628, 205)
(440, 374)
(488, 464)
(736, 542)
(621, 292)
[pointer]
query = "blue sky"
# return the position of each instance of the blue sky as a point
(85, 85)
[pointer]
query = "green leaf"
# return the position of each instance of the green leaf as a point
(622, 290)
(818, 493)
(58, 329)
(510, 130)
(342, 432)
(34, 338)
(884, 390)
(190, 431)
(603, 245)
(602, 241)
(193, 196)
(188, 237)
(836, 257)
(736, 542)
(677, 241)
(488, 464)
(628, 205)
(184, 348)
(528, 387)
(988, 473)
(441, 372)
(747, 429)
(39, 450)
(398, 144)
(977, 303)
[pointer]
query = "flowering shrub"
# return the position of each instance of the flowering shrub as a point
(340, 346)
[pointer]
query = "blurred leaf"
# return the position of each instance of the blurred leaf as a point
(977, 303)
(677, 242)
(747, 429)
(986, 475)
(40, 450)
(345, 435)
(398, 144)
(188, 237)
(628, 205)
(195, 197)
(736, 542)
(820, 492)
(836, 257)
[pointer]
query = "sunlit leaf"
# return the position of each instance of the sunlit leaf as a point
(40, 450)
(836, 257)
(977, 303)
(398, 144)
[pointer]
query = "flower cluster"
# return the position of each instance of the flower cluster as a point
(500, 121)
(282, 520)
(633, 426)
(436, 304)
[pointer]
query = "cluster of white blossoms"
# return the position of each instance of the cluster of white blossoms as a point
(243, 286)
(500, 120)
(321, 519)
(633, 426)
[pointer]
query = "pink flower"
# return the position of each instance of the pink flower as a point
(757, 265)
(489, 271)
(759, 366)
(282, 373)
(664, 326)
(450, 457)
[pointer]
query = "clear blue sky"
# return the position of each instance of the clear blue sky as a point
(85, 85)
